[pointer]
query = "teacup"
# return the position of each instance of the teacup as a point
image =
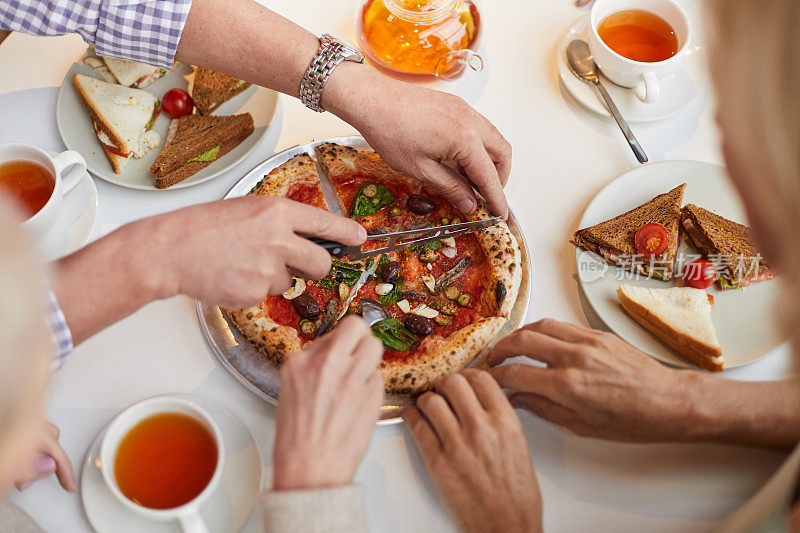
(64, 178)
(188, 514)
(641, 77)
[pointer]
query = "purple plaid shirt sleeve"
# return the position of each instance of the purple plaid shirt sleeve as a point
(62, 336)
(147, 31)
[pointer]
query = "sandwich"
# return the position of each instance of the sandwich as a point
(212, 89)
(679, 316)
(134, 75)
(199, 141)
(728, 245)
(122, 118)
(615, 240)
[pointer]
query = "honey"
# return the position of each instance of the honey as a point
(420, 37)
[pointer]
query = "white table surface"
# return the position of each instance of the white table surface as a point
(563, 156)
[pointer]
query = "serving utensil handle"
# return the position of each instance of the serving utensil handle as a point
(626, 130)
(336, 249)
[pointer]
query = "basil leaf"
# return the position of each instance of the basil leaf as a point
(394, 296)
(364, 205)
(341, 273)
(394, 335)
(432, 245)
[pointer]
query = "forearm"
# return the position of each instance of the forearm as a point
(109, 279)
(761, 414)
(268, 50)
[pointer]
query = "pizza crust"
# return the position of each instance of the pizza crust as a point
(271, 339)
(298, 170)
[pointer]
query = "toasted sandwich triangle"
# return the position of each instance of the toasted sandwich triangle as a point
(614, 238)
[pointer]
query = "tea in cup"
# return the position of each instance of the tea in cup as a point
(637, 42)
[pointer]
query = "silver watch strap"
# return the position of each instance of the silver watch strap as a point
(328, 57)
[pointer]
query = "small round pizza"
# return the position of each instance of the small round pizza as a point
(445, 300)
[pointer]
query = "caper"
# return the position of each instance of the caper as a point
(443, 320)
(354, 308)
(447, 307)
(418, 325)
(452, 292)
(444, 221)
(390, 272)
(456, 220)
(307, 327)
(394, 212)
(344, 291)
(370, 190)
(464, 300)
(307, 307)
(420, 205)
(428, 256)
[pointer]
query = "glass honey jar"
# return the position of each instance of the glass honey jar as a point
(420, 38)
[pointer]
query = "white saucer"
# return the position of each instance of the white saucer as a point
(678, 90)
(227, 510)
(75, 128)
(75, 222)
(740, 316)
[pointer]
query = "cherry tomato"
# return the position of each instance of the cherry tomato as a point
(177, 103)
(699, 274)
(651, 239)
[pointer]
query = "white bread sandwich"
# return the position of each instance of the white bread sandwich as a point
(122, 118)
(679, 316)
(132, 74)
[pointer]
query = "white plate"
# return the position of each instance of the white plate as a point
(229, 507)
(75, 222)
(678, 90)
(741, 317)
(78, 134)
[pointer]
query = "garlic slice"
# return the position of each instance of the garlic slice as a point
(429, 281)
(382, 289)
(449, 242)
(429, 265)
(298, 287)
(449, 252)
(404, 306)
(424, 310)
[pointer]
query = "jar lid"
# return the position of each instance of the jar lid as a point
(421, 11)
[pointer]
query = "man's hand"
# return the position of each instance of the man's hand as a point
(471, 442)
(426, 134)
(50, 458)
(330, 400)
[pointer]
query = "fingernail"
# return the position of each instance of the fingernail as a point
(467, 205)
(362, 233)
(44, 464)
(25, 485)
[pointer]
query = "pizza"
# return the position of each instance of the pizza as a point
(446, 299)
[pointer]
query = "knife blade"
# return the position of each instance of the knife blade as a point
(395, 240)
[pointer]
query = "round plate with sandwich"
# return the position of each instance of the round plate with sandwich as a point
(640, 247)
(110, 111)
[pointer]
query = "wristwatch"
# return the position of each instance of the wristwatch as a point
(332, 51)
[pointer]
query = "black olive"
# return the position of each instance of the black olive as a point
(307, 307)
(390, 271)
(420, 205)
(419, 325)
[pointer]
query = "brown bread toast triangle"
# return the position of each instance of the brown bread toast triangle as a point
(615, 237)
(197, 134)
(212, 89)
(726, 243)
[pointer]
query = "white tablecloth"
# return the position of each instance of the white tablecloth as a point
(562, 156)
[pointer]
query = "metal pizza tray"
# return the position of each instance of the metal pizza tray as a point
(260, 375)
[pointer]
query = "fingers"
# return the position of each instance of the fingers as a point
(441, 417)
(487, 390)
(481, 171)
(543, 407)
(500, 151)
(450, 184)
(459, 394)
(527, 378)
(315, 222)
(307, 258)
(562, 330)
(539, 346)
(64, 472)
(421, 431)
(366, 357)
(42, 467)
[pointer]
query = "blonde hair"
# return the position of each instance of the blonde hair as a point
(22, 311)
(755, 64)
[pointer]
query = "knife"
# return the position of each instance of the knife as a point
(435, 233)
